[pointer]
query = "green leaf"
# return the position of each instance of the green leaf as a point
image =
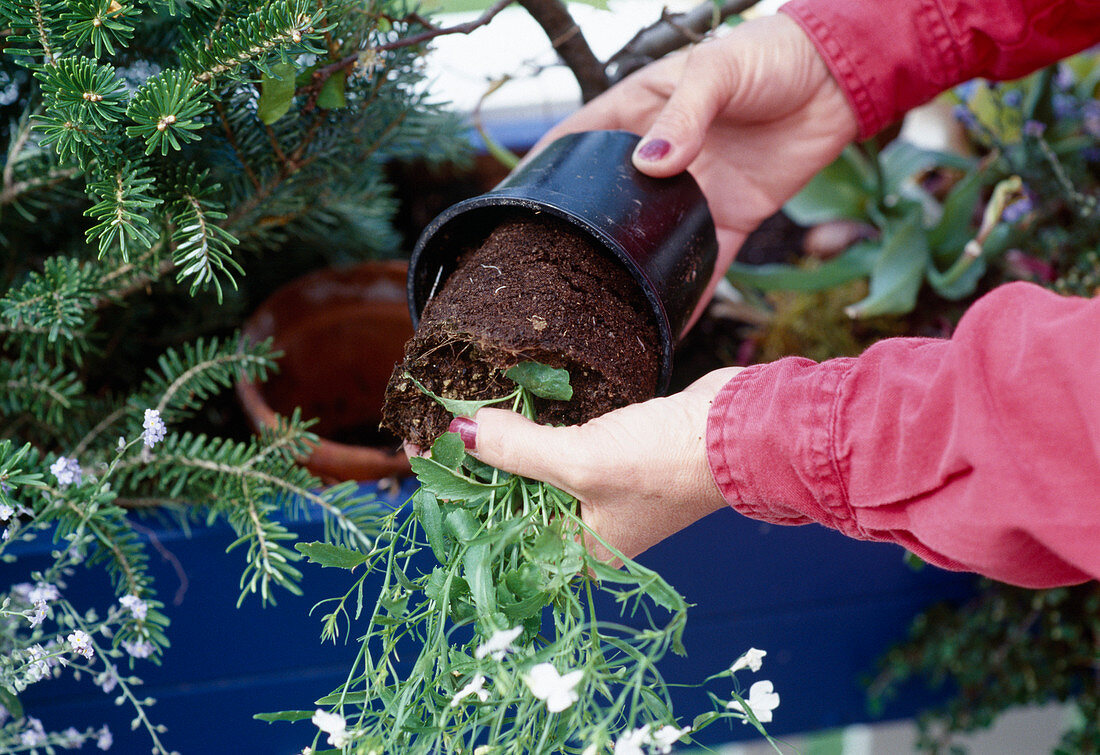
(843, 189)
(855, 262)
(12, 703)
(459, 407)
(479, 576)
(276, 92)
(427, 511)
(449, 450)
(542, 380)
(286, 715)
(956, 225)
(899, 270)
(447, 484)
(329, 555)
(332, 92)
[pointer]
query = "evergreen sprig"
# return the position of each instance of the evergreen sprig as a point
(166, 111)
(100, 23)
(124, 211)
(202, 249)
(53, 308)
(36, 29)
(270, 34)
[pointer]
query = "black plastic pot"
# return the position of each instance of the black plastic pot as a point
(659, 228)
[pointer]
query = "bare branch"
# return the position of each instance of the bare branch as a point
(570, 44)
(671, 32)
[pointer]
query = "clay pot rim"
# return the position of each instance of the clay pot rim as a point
(329, 459)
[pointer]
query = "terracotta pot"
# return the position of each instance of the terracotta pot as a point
(341, 332)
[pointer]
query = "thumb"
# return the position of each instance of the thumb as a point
(511, 442)
(676, 136)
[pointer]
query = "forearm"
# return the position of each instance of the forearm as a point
(892, 55)
(979, 453)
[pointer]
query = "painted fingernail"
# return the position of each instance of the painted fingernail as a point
(653, 150)
(466, 429)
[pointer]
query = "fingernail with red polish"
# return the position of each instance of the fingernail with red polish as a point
(654, 150)
(466, 429)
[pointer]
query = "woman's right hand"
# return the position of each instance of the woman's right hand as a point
(752, 115)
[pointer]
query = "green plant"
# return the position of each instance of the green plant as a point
(485, 638)
(156, 151)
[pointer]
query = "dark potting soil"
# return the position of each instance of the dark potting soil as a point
(534, 290)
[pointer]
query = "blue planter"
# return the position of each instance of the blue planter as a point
(823, 607)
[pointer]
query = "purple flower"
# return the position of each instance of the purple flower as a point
(67, 471)
(1013, 98)
(1090, 114)
(1034, 129)
(154, 428)
(965, 116)
(1018, 210)
(1064, 77)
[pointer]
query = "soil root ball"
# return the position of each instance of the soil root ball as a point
(534, 290)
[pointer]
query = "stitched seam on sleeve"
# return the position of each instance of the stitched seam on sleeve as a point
(938, 31)
(837, 499)
(847, 73)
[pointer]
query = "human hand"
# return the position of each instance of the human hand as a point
(640, 472)
(752, 115)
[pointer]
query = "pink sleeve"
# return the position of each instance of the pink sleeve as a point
(979, 453)
(892, 55)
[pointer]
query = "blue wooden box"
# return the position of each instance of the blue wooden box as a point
(823, 607)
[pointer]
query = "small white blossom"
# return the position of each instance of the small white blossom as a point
(555, 689)
(81, 643)
(499, 644)
(107, 680)
(71, 739)
(154, 428)
(630, 743)
(121, 444)
(668, 735)
(5, 512)
(334, 725)
(38, 665)
(142, 649)
(44, 592)
(41, 610)
(67, 471)
(763, 699)
(104, 740)
(138, 607)
(34, 735)
(752, 660)
(475, 687)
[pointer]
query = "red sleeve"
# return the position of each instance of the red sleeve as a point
(892, 55)
(981, 452)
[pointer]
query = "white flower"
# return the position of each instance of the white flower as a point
(34, 735)
(142, 649)
(136, 605)
(332, 724)
(547, 684)
(81, 643)
(107, 680)
(630, 743)
(5, 512)
(762, 700)
(66, 470)
(104, 740)
(41, 609)
(475, 687)
(72, 739)
(499, 644)
(38, 664)
(666, 736)
(43, 591)
(752, 660)
(154, 428)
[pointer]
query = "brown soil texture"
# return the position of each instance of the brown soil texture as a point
(534, 290)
